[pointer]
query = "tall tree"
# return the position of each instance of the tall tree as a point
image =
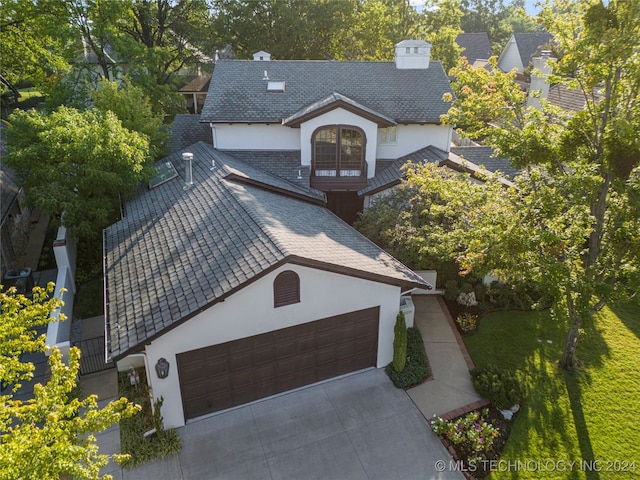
(441, 23)
(33, 45)
(581, 204)
(52, 435)
(76, 163)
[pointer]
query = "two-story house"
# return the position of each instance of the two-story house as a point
(231, 277)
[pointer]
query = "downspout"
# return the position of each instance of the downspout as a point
(213, 134)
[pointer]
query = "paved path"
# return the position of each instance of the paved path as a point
(451, 391)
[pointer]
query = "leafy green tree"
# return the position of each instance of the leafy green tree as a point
(33, 45)
(133, 109)
(76, 163)
(441, 22)
(52, 435)
(578, 230)
(289, 30)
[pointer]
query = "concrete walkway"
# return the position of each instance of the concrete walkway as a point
(450, 393)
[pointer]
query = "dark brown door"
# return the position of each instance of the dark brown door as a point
(233, 373)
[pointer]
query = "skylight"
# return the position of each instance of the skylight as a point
(164, 173)
(275, 86)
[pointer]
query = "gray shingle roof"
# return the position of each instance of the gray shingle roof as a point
(238, 93)
(483, 156)
(475, 46)
(529, 44)
(186, 130)
(177, 252)
(393, 173)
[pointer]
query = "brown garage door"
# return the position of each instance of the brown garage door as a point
(222, 376)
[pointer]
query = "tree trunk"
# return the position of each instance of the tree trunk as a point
(568, 359)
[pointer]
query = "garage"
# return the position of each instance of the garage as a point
(237, 372)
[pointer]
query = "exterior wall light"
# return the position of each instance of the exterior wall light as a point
(162, 368)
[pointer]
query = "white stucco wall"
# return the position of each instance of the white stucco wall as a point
(242, 136)
(340, 116)
(250, 312)
(414, 137)
(510, 58)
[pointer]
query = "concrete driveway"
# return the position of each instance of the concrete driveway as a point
(355, 427)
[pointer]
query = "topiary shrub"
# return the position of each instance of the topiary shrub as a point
(416, 369)
(400, 343)
(501, 386)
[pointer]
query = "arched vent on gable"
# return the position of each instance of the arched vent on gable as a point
(286, 289)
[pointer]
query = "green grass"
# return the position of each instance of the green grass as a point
(592, 414)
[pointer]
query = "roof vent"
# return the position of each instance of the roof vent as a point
(188, 171)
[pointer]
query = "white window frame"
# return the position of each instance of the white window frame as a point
(388, 135)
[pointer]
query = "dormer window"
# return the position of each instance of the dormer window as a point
(286, 289)
(276, 87)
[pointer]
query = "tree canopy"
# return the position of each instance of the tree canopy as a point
(572, 224)
(52, 434)
(76, 163)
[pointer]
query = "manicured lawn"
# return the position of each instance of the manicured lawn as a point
(591, 415)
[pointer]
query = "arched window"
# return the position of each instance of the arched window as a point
(286, 289)
(338, 151)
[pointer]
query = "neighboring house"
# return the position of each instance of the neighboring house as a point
(242, 285)
(195, 93)
(335, 122)
(475, 46)
(520, 50)
(14, 216)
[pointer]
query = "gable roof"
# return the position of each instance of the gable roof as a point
(333, 101)
(186, 130)
(529, 45)
(393, 173)
(238, 89)
(196, 85)
(474, 46)
(178, 252)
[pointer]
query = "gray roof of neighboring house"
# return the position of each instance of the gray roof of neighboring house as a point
(475, 46)
(484, 156)
(393, 173)
(529, 44)
(568, 99)
(186, 130)
(238, 93)
(177, 252)
(196, 85)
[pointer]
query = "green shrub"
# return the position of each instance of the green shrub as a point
(399, 343)
(451, 290)
(141, 449)
(501, 386)
(415, 369)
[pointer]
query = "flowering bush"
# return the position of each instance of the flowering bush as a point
(467, 322)
(470, 431)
